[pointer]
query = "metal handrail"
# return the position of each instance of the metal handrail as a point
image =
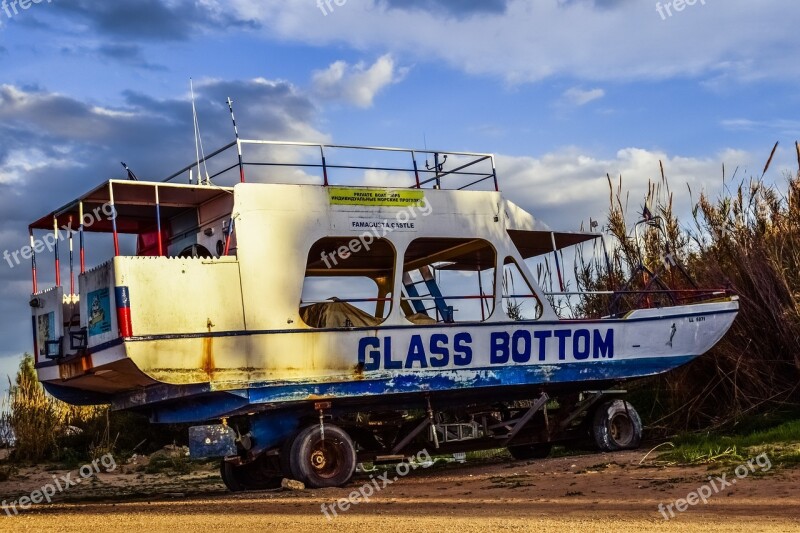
(438, 173)
(712, 292)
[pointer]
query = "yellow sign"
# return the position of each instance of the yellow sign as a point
(376, 197)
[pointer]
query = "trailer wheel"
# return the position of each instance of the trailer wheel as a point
(530, 451)
(616, 426)
(231, 477)
(322, 463)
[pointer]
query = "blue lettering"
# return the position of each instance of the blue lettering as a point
(542, 337)
(416, 353)
(374, 354)
(521, 355)
(580, 344)
(604, 347)
(499, 350)
(439, 348)
(462, 351)
(388, 362)
(562, 335)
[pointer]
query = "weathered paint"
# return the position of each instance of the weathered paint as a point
(207, 364)
(232, 324)
(361, 352)
(214, 404)
(211, 441)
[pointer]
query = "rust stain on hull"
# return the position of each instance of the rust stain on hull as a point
(76, 367)
(208, 364)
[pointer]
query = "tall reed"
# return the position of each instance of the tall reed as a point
(747, 240)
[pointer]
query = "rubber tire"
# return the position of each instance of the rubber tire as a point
(340, 457)
(230, 476)
(616, 426)
(526, 452)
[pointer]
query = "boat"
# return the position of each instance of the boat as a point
(353, 304)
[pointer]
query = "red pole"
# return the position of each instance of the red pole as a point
(158, 224)
(114, 219)
(416, 169)
(80, 229)
(71, 263)
(58, 265)
(324, 167)
(228, 239)
(33, 261)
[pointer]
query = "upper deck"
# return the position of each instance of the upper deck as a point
(196, 217)
(139, 207)
(430, 212)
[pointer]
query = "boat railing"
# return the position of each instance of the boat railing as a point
(689, 294)
(422, 167)
(645, 298)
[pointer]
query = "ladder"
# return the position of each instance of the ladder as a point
(419, 300)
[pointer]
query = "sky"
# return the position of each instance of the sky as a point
(562, 91)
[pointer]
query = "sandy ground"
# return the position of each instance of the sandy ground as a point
(599, 492)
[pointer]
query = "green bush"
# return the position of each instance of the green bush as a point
(47, 429)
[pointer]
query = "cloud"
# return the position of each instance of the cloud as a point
(782, 127)
(602, 4)
(579, 97)
(456, 8)
(127, 54)
(569, 186)
(531, 41)
(21, 162)
(356, 84)
(156, 20)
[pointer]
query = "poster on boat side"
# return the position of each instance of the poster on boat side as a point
(46, 331)
(99, 312)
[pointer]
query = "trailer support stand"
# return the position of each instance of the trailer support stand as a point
(581, 408)
(537, 405)
(321, 406)
(433, 424)
(408, 438)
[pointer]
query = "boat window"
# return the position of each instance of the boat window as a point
(348, 283)
(519, 300)
(448, 280)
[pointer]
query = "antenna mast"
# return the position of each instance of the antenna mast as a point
(196, 136)
(238, 143)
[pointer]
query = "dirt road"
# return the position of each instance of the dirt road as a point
(597, 492)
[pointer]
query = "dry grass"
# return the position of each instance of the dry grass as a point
(748, 240)
(41, 423)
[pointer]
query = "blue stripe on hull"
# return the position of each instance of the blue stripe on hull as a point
(449, 380)
(207, 405)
